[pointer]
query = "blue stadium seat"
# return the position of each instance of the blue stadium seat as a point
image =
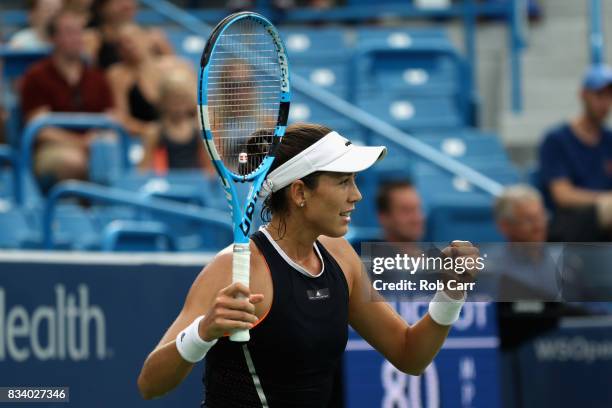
(188, 45)
(306, 109)
(16, 232)
(104, 161)
(416, 113)
(16, 62)
(468, 146)
(471, 221)
(6, 184)
(424, 72)
(137, 236)
(103, 215)
(456, 209)
(402, 37)
(12, 21)
(463, 144)
(329, 76)
(9, 175)
(314, 45)
(74, 227)
(437, 185)
(189, 185)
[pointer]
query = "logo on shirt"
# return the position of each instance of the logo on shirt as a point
(318, 294)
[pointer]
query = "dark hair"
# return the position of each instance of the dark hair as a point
(96, 13)
(298, 137)
(31, 4)
(384, 193)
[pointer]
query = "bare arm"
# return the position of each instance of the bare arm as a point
(210, 294)
(150, 138)
(565, 194)
(58, 135)
(409, 348)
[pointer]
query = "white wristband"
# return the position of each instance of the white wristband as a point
(445, 310)
(189, 343)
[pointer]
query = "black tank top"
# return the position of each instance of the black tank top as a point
(182, 155)
(108, 54)
(294, 352)
(140, 107)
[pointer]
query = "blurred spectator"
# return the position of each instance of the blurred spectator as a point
(399, 212)
(576, 165)
(520, 214)
(524, 268)
(176, 142)
(135, 80)
(107, 17)
(63, 83)
(40, 12)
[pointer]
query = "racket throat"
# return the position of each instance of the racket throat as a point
(247, 221)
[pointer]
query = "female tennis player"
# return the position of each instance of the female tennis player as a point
(307, 285)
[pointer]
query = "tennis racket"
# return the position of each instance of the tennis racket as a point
(243, 98)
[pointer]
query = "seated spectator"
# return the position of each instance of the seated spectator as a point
(40, 12)
(520, 214)
(107, 17)
(176, 142)
(399, 211)
(525, 267)
(135, 79)
(576, 165)
(63, 83)
(522, 275)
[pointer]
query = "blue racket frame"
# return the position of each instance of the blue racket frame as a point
(242, 220)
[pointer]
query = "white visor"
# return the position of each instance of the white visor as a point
(332, 153)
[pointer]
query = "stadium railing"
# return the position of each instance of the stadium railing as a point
(109, 195)
(69, 121)
(137, 236)
(8, 155)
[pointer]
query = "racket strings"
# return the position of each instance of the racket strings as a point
(243, 95)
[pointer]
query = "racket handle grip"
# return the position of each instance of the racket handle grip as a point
(241, 263)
